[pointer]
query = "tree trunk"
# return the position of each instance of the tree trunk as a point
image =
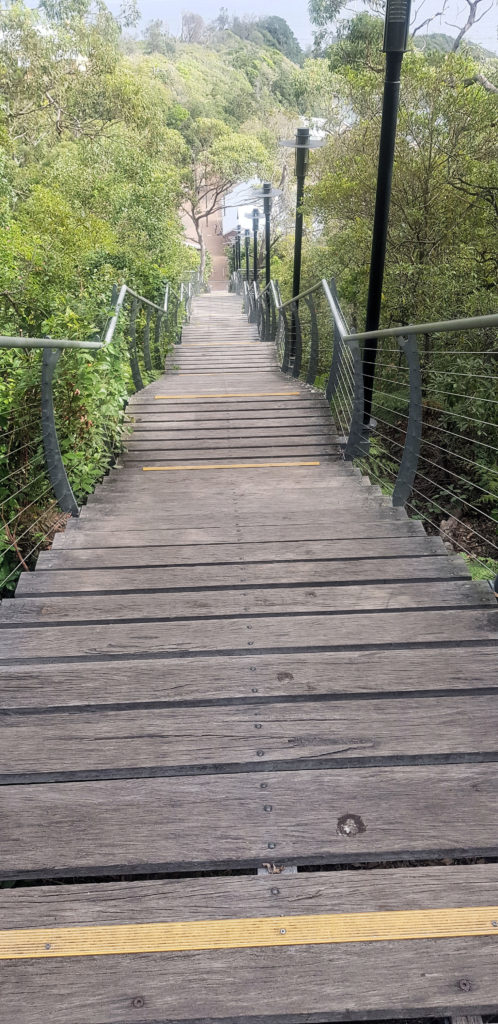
(202, 245)
(202, 264)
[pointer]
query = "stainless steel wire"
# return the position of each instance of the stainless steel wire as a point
(20, 469)
(30, 527)
(28, 555)
(29, 483)
(23, 510)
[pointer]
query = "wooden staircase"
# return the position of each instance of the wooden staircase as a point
(249, 729)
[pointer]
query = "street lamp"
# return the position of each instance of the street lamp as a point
(302, 164)
(267, 193)
(302, 146)
(238, 261)
(255, 229)
(395, 40)
(247, 240)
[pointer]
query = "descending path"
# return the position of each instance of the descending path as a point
(241, 658)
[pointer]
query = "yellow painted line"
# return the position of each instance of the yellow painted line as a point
(239, 933)
(233, 394)
(203, 373)
(219, 344)
(230, 465)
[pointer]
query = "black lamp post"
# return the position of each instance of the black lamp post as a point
(238, 260)
(255, 229)
(267, 193)
(395, 39)
(302, 163)
(302, 145)
(247, 240)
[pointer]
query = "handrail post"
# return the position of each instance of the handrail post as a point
(287, 341)
(268, 314)
(111, 327)
(146, 340)
(132, 347)
(53, 458)
(314, 341)
(337, 343)
(355, 445)
(158, 362)
(297, 340)
(409, 459)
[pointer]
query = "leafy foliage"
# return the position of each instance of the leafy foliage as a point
(442, 259)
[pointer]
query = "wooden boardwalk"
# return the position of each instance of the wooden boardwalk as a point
(238, 659)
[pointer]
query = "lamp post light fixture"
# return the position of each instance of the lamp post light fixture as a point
(395, 40)
(255, 229)
(302, 164)
(247, 241)
(267, 195)
(302, 145)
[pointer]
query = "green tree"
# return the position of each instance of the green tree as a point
(279, 35)
(441, 256)
(324, 14)
(157, 38)
(219, 159)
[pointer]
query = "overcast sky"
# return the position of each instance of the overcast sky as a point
(296, 14)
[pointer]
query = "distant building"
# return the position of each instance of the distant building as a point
(238, 207)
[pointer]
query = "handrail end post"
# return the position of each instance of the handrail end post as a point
(53, 458)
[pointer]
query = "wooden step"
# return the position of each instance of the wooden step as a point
(354, 980)
(246, 819)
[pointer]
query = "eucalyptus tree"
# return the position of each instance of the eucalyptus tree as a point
(219, 158)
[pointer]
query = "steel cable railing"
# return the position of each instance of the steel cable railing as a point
(54, 449)
(432, 440)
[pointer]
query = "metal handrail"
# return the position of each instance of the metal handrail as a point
(436, 327)
(302, 295)
(300, 342)
(169, 316)
(8, 342)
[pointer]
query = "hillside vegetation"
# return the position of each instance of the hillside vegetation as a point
(101, 145)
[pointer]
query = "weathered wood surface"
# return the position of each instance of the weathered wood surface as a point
(262, 633)
(134, 825)
(139, 536)
(358, 570)
(217, 668)
(214, 554)
(210, 452)
(225, 678)
(226, 603)
(345, 732)
(264, 984)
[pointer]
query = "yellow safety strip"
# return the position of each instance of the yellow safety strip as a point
(240, 933)
(220, 344)
(233, 394)
(204, 373)
(230, 465)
